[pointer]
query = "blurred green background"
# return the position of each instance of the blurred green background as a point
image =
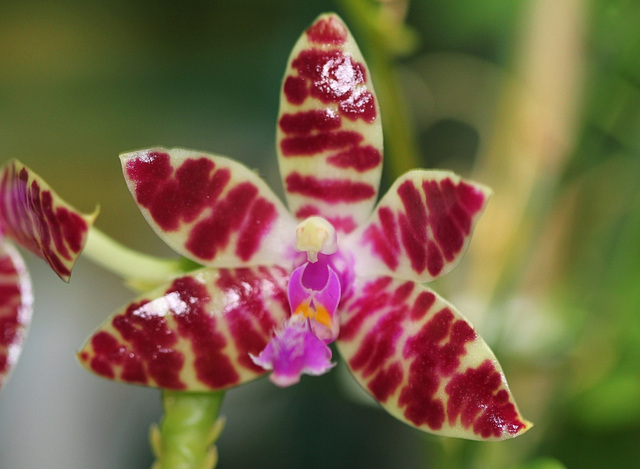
(539, 99)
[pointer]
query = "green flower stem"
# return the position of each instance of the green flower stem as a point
(383, 43)
(401, 153)
(131, 265)
(189, 428)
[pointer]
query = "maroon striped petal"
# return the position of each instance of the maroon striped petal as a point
(421, 227)
(35, 217)
(424, 362)
(210, 209)
(329, 136)
(196, 334)
(15, 307)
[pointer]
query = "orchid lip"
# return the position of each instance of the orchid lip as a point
(293, 351)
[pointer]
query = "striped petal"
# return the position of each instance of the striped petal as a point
(329, 135)
(35, 217)
(210, 209)
(15, 307)
(424, 362)
(420, 228)
(197, 334)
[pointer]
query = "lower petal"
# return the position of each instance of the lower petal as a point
(424, 362)
(196, 334)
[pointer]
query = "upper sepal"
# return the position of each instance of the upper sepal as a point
(196, 334)
(329, 133)
(424, 362)
(210, 209)
(16, 303)
(420, 228)
(35, 217)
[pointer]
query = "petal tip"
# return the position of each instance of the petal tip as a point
(526, 426)
(328, 28)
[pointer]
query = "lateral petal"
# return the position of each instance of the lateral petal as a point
(210, 209)
(329, 134)
(35, 217)
(420, 228)
(16, 304)
(196, 334)
(424, 362)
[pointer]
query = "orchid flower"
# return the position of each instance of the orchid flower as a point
(33, 216)
(278, 286)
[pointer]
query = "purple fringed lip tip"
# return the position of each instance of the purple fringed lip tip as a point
(293, 351)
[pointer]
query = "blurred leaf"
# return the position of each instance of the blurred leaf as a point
(614, 402)
(543, 463)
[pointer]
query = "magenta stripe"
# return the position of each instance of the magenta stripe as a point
(331, 191)
(359, 158)
(476, 397)
(263, 214)
(305, 122)
(214, 232)
(307, 145)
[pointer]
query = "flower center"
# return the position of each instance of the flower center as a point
(314, 287)
(314, 294)
(300, 346)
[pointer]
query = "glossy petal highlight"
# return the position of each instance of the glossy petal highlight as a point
(16, 304)
(210, 209)
(35, 217)
(329, 134)
(197, 334)
(424, 362)
(421, 227)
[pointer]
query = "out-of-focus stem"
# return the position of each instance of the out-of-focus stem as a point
(129, 264)
(400, 145)
(188, 430)
(534, 133)
(401, 151)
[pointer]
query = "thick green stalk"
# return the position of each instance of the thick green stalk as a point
(188, 430)
(130, 265)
